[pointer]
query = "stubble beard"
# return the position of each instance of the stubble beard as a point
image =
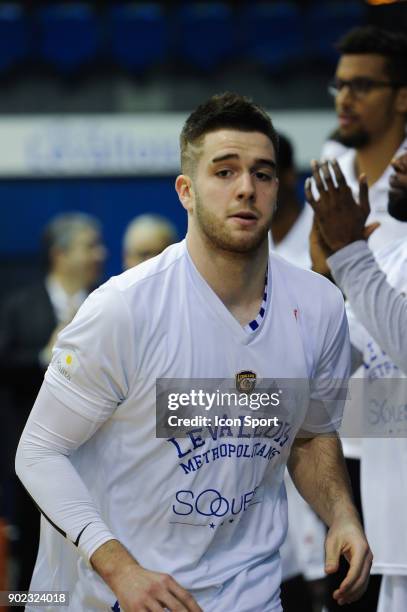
(222, 239)
(357, 140)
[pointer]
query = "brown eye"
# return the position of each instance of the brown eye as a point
(223, 173)
(263, 176)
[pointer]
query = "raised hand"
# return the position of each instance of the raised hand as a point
(340, 219)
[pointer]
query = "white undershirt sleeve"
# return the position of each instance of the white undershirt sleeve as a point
(54, 431)
(382, 309)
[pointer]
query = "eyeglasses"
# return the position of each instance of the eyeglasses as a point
(360, 86)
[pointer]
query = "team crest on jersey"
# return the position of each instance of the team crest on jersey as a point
(245, 381)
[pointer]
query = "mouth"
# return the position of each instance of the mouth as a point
(245, 218)
(245, 214)
(346, 120)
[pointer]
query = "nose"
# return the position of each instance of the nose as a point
(246, 188)
(344, 97)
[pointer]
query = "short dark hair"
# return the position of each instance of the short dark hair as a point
(226, 110)
(374, 40)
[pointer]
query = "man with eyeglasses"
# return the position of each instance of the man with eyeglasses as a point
(370, 91)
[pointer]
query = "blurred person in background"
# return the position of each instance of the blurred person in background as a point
(146, 236)
(376, 288)
(292, 220)
(370, 91)
(30, 320)
(302, 554)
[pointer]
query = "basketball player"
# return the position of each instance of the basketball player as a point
(140, 523)
(375, 287)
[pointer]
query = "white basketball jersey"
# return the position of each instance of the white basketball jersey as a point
(209, 508)
(384, 459)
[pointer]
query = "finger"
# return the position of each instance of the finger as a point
(356, 565)
(354, 591)
(369, 229)
(152, 606)
(308, 193)
(332, 555)
(339, 177)
(184, 597)
(317, 176)
(398, 181)
(171, 603)
(364, 195)
(326, 173)
(361, 584)
(400, 163)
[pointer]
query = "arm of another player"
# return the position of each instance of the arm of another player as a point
(382, 309)
(318, 470)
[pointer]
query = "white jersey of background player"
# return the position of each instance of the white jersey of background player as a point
(210, 509)
(376, 288)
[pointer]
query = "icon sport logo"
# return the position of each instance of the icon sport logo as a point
(245, 381)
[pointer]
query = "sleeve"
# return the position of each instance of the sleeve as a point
(94, 356)
(52, 433)
(382, 309)
(328, 385)
(358, 334)
(85, 382)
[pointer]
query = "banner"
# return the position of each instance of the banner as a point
(125, 145)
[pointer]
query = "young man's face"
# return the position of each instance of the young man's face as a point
(234, 189)
(364, 117)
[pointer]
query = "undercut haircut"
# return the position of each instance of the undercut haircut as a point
(374, 40)
(222, 111)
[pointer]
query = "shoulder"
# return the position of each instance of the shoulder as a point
(320, 304)
(306, 286)
(151, 272)
(138, 292)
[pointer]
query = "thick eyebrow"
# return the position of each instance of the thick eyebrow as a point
(257, 162)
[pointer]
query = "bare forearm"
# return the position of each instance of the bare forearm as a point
(111, 560)
(318, 469)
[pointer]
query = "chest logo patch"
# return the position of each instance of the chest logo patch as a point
(245, 381)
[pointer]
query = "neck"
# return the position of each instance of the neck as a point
(237, 278)
(374, 158)
(284, 218)
(69, 285)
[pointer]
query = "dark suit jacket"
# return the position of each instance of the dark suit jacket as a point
(27, 320)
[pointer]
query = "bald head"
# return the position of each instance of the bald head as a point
(145, 237)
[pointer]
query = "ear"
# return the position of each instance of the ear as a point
(185, 191)
(401, 100)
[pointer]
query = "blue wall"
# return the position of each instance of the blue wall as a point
(27, 205)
